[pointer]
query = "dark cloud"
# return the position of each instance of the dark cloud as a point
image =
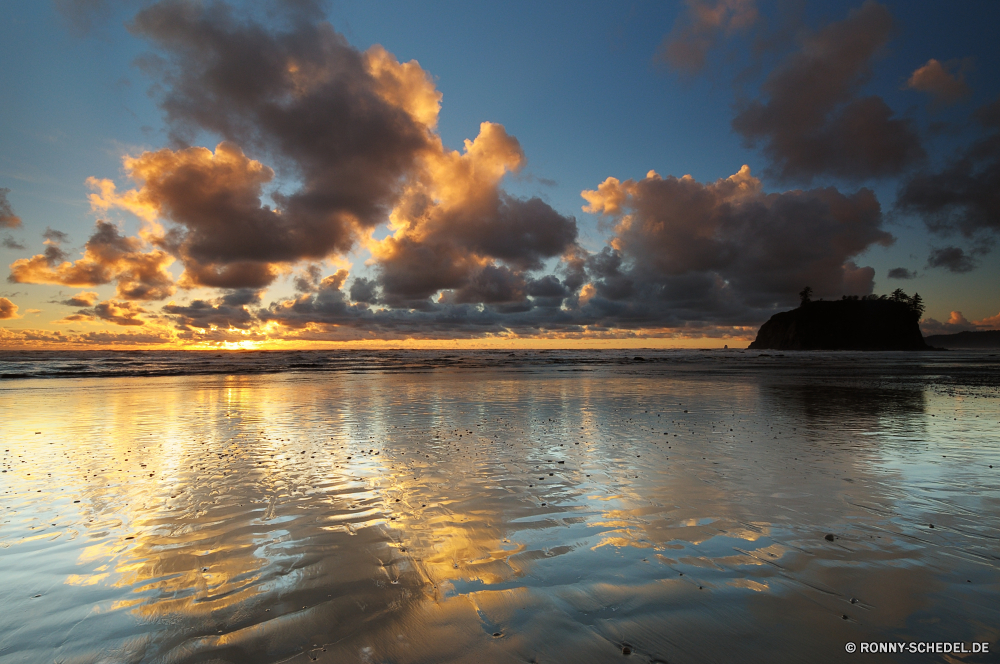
(700, 27)
(953, 259)
(964, 196)
(203, 314)
(7, 217)
(10, 243)
(233, 310)
(364, 290)
(457, 230)
(55, 236)
(696, 258)
(241, 297)
(901, 273)
(308, 281)
(108, 256)
(120, 312)
(813, 120)
(84, 299)
(8, 309)
(726, 250)
(348, 125)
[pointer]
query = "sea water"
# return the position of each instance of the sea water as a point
(526, 506)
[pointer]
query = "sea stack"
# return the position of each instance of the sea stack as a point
(850, 324)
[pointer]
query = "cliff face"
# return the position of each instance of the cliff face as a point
(842, 325)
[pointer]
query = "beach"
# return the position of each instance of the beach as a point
(487, 506)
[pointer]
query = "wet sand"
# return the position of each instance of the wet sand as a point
(679, 507)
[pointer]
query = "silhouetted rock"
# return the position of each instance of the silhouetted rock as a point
(972, 340)
(849, 324)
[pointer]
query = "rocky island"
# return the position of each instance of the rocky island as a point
(886, 322)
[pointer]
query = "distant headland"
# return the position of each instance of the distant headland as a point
(872, 322)
(984, 339)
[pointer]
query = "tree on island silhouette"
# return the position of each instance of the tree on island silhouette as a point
(914, 304)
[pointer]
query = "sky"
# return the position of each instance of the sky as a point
(294, 174)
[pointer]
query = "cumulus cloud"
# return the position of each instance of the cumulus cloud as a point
(348, 126)
(964, 196)
(108, 256)
(356, 130)
(228, 237)
(120, 312)
(812, 119)
(958, 323)
(8, 309)
(726, 250)
(234, 310)
(953, 259)
(364, 290)
(700, 27)
(455, 229)
(83, 299)
(935, 79)
(7, 217)
(704, 259)
(901, 273)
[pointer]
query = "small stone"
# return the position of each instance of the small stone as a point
(626, 650)
(829, 537)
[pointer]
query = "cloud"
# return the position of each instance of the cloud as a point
(700, 27)
(364, 290)
(308, 281)
(7, 217)
(10, 243)
(348, 127)
(953, 259)
(455, 229)
(228, 237)
(356, 130)
(231, 311)
(686, 258)
(901, 273)
(813, 121)
(74, 318)
(8, 309)
(54, 237)
(120, 312)
(726, 251)
(935, 79)
(964, 196)
(108, 256)
(958, 323)
(83, 299)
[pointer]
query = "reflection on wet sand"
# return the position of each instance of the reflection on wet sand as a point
(494, 516)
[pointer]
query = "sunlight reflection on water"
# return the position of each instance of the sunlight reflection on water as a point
(488, 515)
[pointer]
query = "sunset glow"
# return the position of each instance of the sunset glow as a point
(396, 180)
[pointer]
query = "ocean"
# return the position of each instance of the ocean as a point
(498, 506)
